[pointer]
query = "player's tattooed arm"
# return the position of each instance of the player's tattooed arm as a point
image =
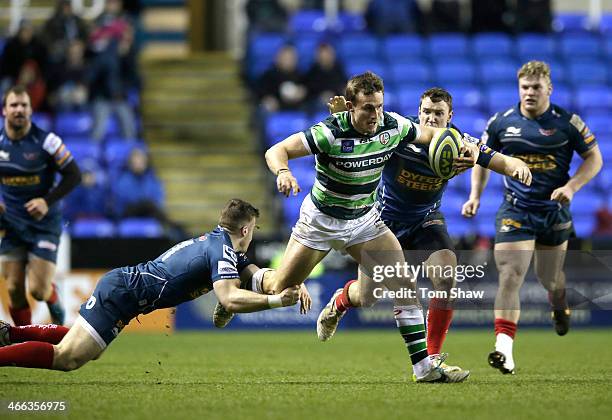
(512, 167)
(590, 166)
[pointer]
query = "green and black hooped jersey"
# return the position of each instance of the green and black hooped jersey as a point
(349, 164)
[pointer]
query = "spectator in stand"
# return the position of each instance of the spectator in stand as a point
(392, 16)
(32, 79)
(72, 91)
(266, 16)
(89, 199)
(111, 43)
(603, 222)
(20, 49)
(281, 87)
(325, 78)
(490, 16)
(139, 193)
(59, 32)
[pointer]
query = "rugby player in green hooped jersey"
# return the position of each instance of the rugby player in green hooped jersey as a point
(534, 220)
(409, 200)
(351, 150)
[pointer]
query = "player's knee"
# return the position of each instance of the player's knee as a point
(443, 283)
(38, 293)
(510, 275)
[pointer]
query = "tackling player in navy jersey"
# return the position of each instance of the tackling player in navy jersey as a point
(186, 271)
(409, 200)
(30, 218)
(534, 218)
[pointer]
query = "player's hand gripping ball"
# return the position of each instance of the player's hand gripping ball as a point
(443, 148)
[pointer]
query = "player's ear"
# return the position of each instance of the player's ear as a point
(349, 106)
(450, 116)
(244, 231)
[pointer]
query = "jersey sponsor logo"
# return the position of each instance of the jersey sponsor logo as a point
(384, 138)
(202, 238)
(363, 163)
(47, 245)
(537, 162)
(513, 131)
(52, 143)
(347, 146)
(4, 155)
(30, 156)
(577, 122)
(20, 181)
(226, 267)
(229, 254)
(419, 182)
(548, 132)
(176, 248)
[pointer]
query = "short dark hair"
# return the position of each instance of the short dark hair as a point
(437, 94)
(366, 83)
(236, 214)
(17, 90)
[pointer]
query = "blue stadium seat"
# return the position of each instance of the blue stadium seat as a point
(599, 123)
(94, 228)
(84, 150)
(604, 179)
(490, 201)
(501, 98)
(116, 152)
(350, 22)
(73, 123)
(587, 72)
(414, 72)
(472, 123)
(399, 48)
(136, 227)
(584, 226)
(408, 98)
(592, 98)
(360, 66)
(570, 22)
(496, 183)
(454, 71)
(582, 45)
(307, 21)
(497, 71)
(558, 71)
(43, 120)
(562, 96)
(458, 225)
(487, 45)
(306, 46)
(605, 25)
(535, 46)
(605, 146)
(452, 202)
(358, 45)
(448, 45)
(261, 52)
(291, 206)
(465, 97)
(586, 202)
(485, 226)
(281, 125)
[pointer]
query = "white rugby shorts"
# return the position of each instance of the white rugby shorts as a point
(319, 231)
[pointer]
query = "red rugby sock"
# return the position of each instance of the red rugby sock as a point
(32, 354)
(49, 333)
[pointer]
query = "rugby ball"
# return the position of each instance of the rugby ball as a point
(444, 147)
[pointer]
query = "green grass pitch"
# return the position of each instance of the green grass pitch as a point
(359, 374)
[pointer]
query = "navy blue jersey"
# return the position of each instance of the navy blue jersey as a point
(27, 170)
(185, 271)
(410, 189)
(546, 144)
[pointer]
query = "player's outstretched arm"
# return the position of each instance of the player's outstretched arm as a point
(277, 158)
(590, 166)
(238, 300)
(510, 166)
(480, 177)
